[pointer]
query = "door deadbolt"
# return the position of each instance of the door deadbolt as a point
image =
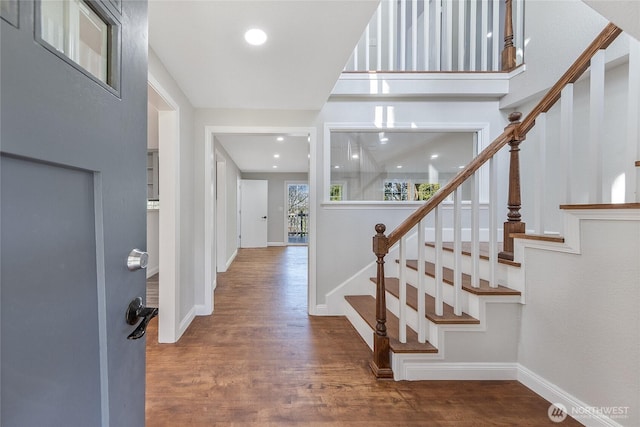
(137, 260)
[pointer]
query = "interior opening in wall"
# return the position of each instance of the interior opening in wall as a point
(396, 165)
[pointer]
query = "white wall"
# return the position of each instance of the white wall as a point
(186, 284)
(276, 200)
(581, 323)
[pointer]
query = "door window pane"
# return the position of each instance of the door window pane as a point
(78, 32)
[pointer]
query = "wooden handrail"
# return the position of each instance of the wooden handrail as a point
(602, 41)
(513, 134)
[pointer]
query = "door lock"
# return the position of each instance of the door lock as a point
(135, 311)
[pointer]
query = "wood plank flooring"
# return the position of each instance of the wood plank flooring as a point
(260, 360)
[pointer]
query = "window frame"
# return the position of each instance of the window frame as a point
(482, 140)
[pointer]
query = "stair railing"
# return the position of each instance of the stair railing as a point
(441, 35)
(513, 135)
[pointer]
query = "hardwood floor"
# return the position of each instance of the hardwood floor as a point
(260, 360)
(152, 290)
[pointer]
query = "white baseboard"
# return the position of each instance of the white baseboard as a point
(186, 321)
(276, 244)
(320, 310)
(411, 370)
(554, 394)
(202, 310)
(231, 258)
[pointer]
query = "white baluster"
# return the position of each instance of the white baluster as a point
(473, 35)
(426, 24)
(448, 36)
(462, 37)
(457, 252)
(475, 230)
(391, 22)
(403, 35)
(566, 138)
(438, 259)
(422, 330)
(541, 174)
(402, 279)
(438, 34)
(495, 38)
(367, 46)
(596, 128)
(414, 35)
(484, 33)
(519, 30)
(493, 221)
(379, 38)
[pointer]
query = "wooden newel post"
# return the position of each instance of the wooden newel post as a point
(380, 365)
(509, 51)
(513, 223)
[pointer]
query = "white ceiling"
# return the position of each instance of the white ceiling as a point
(201, 43)
(256, 153)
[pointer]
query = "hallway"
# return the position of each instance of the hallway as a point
(260, 360)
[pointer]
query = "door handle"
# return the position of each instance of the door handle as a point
(264, 217)
(137, 260)
(135, 311)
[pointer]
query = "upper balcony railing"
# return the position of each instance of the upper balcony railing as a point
(441, 35)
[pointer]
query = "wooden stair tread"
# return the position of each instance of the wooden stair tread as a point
(447, 277)
(365, 305)
(603, 206)
(484, 251)
(539, 237)
(448, 317)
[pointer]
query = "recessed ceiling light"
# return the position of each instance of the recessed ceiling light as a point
(461, 167)
(355, 156)
(276, 156)
(434, 156)
(383, 140)
(399, 166)
(336, 167)
(275, 167)
(255, 37)
(280, 139)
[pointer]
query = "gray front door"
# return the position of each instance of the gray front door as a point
(73, 200)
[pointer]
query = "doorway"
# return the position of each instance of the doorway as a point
(297, 213)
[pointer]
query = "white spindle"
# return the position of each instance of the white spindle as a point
(541, 173)
(566, 138)
(438, 260)
(484, 33)
(379, 38)
(355, 57)
(438, 35)
(414, 35)
(462, 38)
(422, 326)
(426, 24)
(402, 279)
(391, 33)
(493, 221)
(495, 38)
(519, 31)
(473, 35)
(632, 173)
(367, 47)
(448, 37)
(457, 252)
(475, 230)
(403, 35)
(596, 128)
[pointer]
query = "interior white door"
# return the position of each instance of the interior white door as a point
(253, 213)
